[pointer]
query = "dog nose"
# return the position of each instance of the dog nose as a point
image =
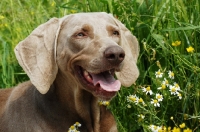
(115, 55)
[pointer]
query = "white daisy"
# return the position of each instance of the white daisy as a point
(177, 86)
(179, 95)
(171, 74)
(147, 90)
(165, 82)
(155, 102)
(163, 86)
(159, 97)
(159, 74)
(133, 99)
(173, 90)
(154, 128)
(141, 116)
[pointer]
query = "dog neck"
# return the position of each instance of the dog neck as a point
(76, 99)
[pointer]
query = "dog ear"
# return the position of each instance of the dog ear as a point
(129, 43)
(36, 55)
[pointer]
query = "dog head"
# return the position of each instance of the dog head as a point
(94, 47)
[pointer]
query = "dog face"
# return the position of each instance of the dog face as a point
(92, 47)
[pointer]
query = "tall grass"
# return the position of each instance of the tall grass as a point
(157, 24)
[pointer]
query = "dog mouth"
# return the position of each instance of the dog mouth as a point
(103, 84)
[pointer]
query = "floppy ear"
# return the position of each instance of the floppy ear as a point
(36, 55)
(129, 43)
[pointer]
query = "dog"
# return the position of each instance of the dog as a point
(72, 63)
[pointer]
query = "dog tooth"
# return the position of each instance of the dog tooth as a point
(85, 73)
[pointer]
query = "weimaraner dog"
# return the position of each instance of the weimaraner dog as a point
(72, 63)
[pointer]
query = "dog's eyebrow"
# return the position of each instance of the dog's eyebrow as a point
(111, 28)
(87, 28)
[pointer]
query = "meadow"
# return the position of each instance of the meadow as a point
(166, 96)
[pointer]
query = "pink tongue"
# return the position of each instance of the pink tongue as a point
(106, 81)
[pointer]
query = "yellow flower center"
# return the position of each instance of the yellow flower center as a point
(173, 89)
(158, 73)
(159, 97)
(163, 86)
(140, 100)
(176, 85)
(148, 88)
(72, 127)
(155, 101)
(132, 99)
(172, 74)
(77, 123)
(107, 103)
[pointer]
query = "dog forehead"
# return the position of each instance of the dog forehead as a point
(96, 20)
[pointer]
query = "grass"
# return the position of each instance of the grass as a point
(157, 24)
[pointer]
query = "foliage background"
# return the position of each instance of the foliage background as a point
(156, 24)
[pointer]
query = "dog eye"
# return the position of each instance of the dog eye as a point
(115, 33)
(81, 34)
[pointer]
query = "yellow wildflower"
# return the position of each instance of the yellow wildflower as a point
(169, 128)
(73, 11)
(6, 25)
(1, 17)
(182, 125)
(176, 43)
(187, 130)
(32, 12)
(185, 116)
(53, 3)
(190, 49)
(176, 129)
